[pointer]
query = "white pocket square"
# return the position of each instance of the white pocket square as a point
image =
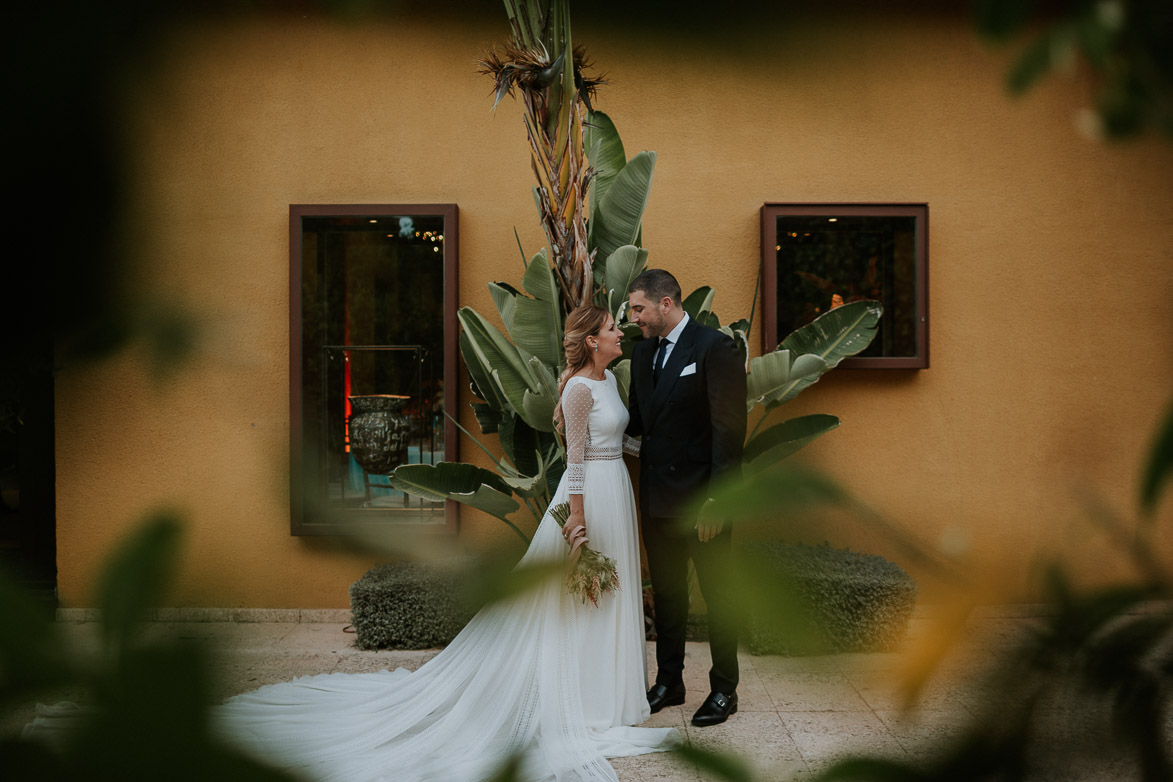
(689, 370)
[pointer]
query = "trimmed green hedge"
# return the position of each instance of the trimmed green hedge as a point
(407, 605)
(820, 600)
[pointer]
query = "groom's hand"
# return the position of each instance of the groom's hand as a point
(707, 525)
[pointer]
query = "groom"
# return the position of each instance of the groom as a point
(687, 401)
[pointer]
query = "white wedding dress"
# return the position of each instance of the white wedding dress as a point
(540, 675)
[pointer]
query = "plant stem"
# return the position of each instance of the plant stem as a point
(758, 425)
(753, 304)
(515, 528)
(479, 445)
(519, 249)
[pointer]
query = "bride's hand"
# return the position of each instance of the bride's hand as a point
(574, 531)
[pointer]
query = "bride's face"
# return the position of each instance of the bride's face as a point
(608, 342)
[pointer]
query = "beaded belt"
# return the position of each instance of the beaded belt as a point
(598, 453)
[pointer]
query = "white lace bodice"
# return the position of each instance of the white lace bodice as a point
(595, 419)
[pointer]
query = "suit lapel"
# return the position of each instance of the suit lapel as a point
(680, 357)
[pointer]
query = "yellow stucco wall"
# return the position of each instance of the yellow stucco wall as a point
(1051, 289)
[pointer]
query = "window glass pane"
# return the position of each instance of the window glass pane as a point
(826, 255)
(372, 360)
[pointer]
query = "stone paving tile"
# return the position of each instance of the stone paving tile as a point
(761, 740)
(887, 690)
(830, 663)
(752, 694)
(232, 636)
(82, 637)
(312, 636)
(283, 668)
(325, 615)
(671, 717)
(812, 692)
(369, 662)
(824, 738)
(655, 766)
(921, 732)
(796, 715)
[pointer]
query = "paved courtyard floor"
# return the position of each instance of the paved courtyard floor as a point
(797, 715)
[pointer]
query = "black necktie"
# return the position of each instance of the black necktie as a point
(660, 351)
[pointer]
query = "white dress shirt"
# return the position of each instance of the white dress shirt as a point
(673, 337)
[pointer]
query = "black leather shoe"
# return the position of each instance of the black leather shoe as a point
(715, 710)
(662, 695)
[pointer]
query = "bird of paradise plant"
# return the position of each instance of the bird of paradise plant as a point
(546, 70)
(591, 200)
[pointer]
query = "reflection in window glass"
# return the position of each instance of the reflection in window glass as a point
(372, 359)
(852, 258)
(818, 256)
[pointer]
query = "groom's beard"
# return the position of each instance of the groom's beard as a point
(653, 328)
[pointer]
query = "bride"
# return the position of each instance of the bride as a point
(540, 676)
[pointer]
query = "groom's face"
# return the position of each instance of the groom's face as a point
(646, 314)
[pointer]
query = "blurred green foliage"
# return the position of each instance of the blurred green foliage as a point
(145, 708)
(1126, 44)
(1088, 692)
(67, 162)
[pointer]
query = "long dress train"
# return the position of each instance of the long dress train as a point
(540, 674)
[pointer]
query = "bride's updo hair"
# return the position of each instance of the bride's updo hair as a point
(585, 321)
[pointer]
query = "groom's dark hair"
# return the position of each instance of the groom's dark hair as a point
(656, 284)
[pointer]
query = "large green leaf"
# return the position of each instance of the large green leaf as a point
(133, 579)
(528, 485)
(622, 372)
(604, 150)
(518, 441)
(620, 212)
(537, 409)
(831, 337)
(538, 280)
(781, 440)
(498, 358)
(464, 483)
(536, 331)
(488, 418)
(773, 377)
(504, 297)
(804, 371)
(478, 374)
(838, 333)
(624, 265)
(700, 300)
(738, 331)
(1159, 466)
(537, 322)
(514, 392)
(532, 481)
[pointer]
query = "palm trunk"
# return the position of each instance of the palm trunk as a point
(553, 122)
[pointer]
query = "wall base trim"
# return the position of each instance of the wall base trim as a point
(342, 615)
(253, 615)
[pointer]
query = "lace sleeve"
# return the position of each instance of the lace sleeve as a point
(577, 402)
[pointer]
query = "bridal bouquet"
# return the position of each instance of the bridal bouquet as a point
(593, 574)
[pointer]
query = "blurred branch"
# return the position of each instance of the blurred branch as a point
(1126, 44)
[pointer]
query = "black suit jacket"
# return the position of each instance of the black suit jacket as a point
(693, 426)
